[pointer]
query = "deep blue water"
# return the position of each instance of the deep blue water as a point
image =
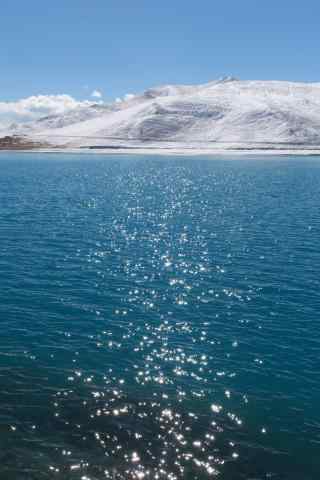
(159, 318)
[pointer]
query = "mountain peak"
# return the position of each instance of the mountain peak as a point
(228, 78)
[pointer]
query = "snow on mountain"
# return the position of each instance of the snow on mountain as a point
(28, 110)
(75, 115)
(226, 110)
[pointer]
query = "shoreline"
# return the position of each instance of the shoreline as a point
(167, 151)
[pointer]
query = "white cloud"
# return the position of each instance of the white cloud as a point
(96, 94)
(35, 107)
(129, 96)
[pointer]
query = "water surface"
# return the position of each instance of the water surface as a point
(159, 318)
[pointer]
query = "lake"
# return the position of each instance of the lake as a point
(159, 317)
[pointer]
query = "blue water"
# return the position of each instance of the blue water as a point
(159, 318)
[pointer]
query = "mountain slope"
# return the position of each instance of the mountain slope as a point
(228, 110)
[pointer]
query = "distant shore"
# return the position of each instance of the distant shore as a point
(25, 144)
(164, 151)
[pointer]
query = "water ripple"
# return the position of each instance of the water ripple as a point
(159, 318)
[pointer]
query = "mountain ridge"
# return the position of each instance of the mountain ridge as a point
(224, 110)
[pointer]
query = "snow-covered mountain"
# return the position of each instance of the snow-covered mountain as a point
(227, 110)
(48, 122)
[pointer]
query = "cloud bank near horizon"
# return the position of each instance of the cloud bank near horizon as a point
(37, 106)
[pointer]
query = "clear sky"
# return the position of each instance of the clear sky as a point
(123, 46)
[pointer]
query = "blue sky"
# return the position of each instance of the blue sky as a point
(76, 46)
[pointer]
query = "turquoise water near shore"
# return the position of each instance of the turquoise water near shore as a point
(159, 317)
